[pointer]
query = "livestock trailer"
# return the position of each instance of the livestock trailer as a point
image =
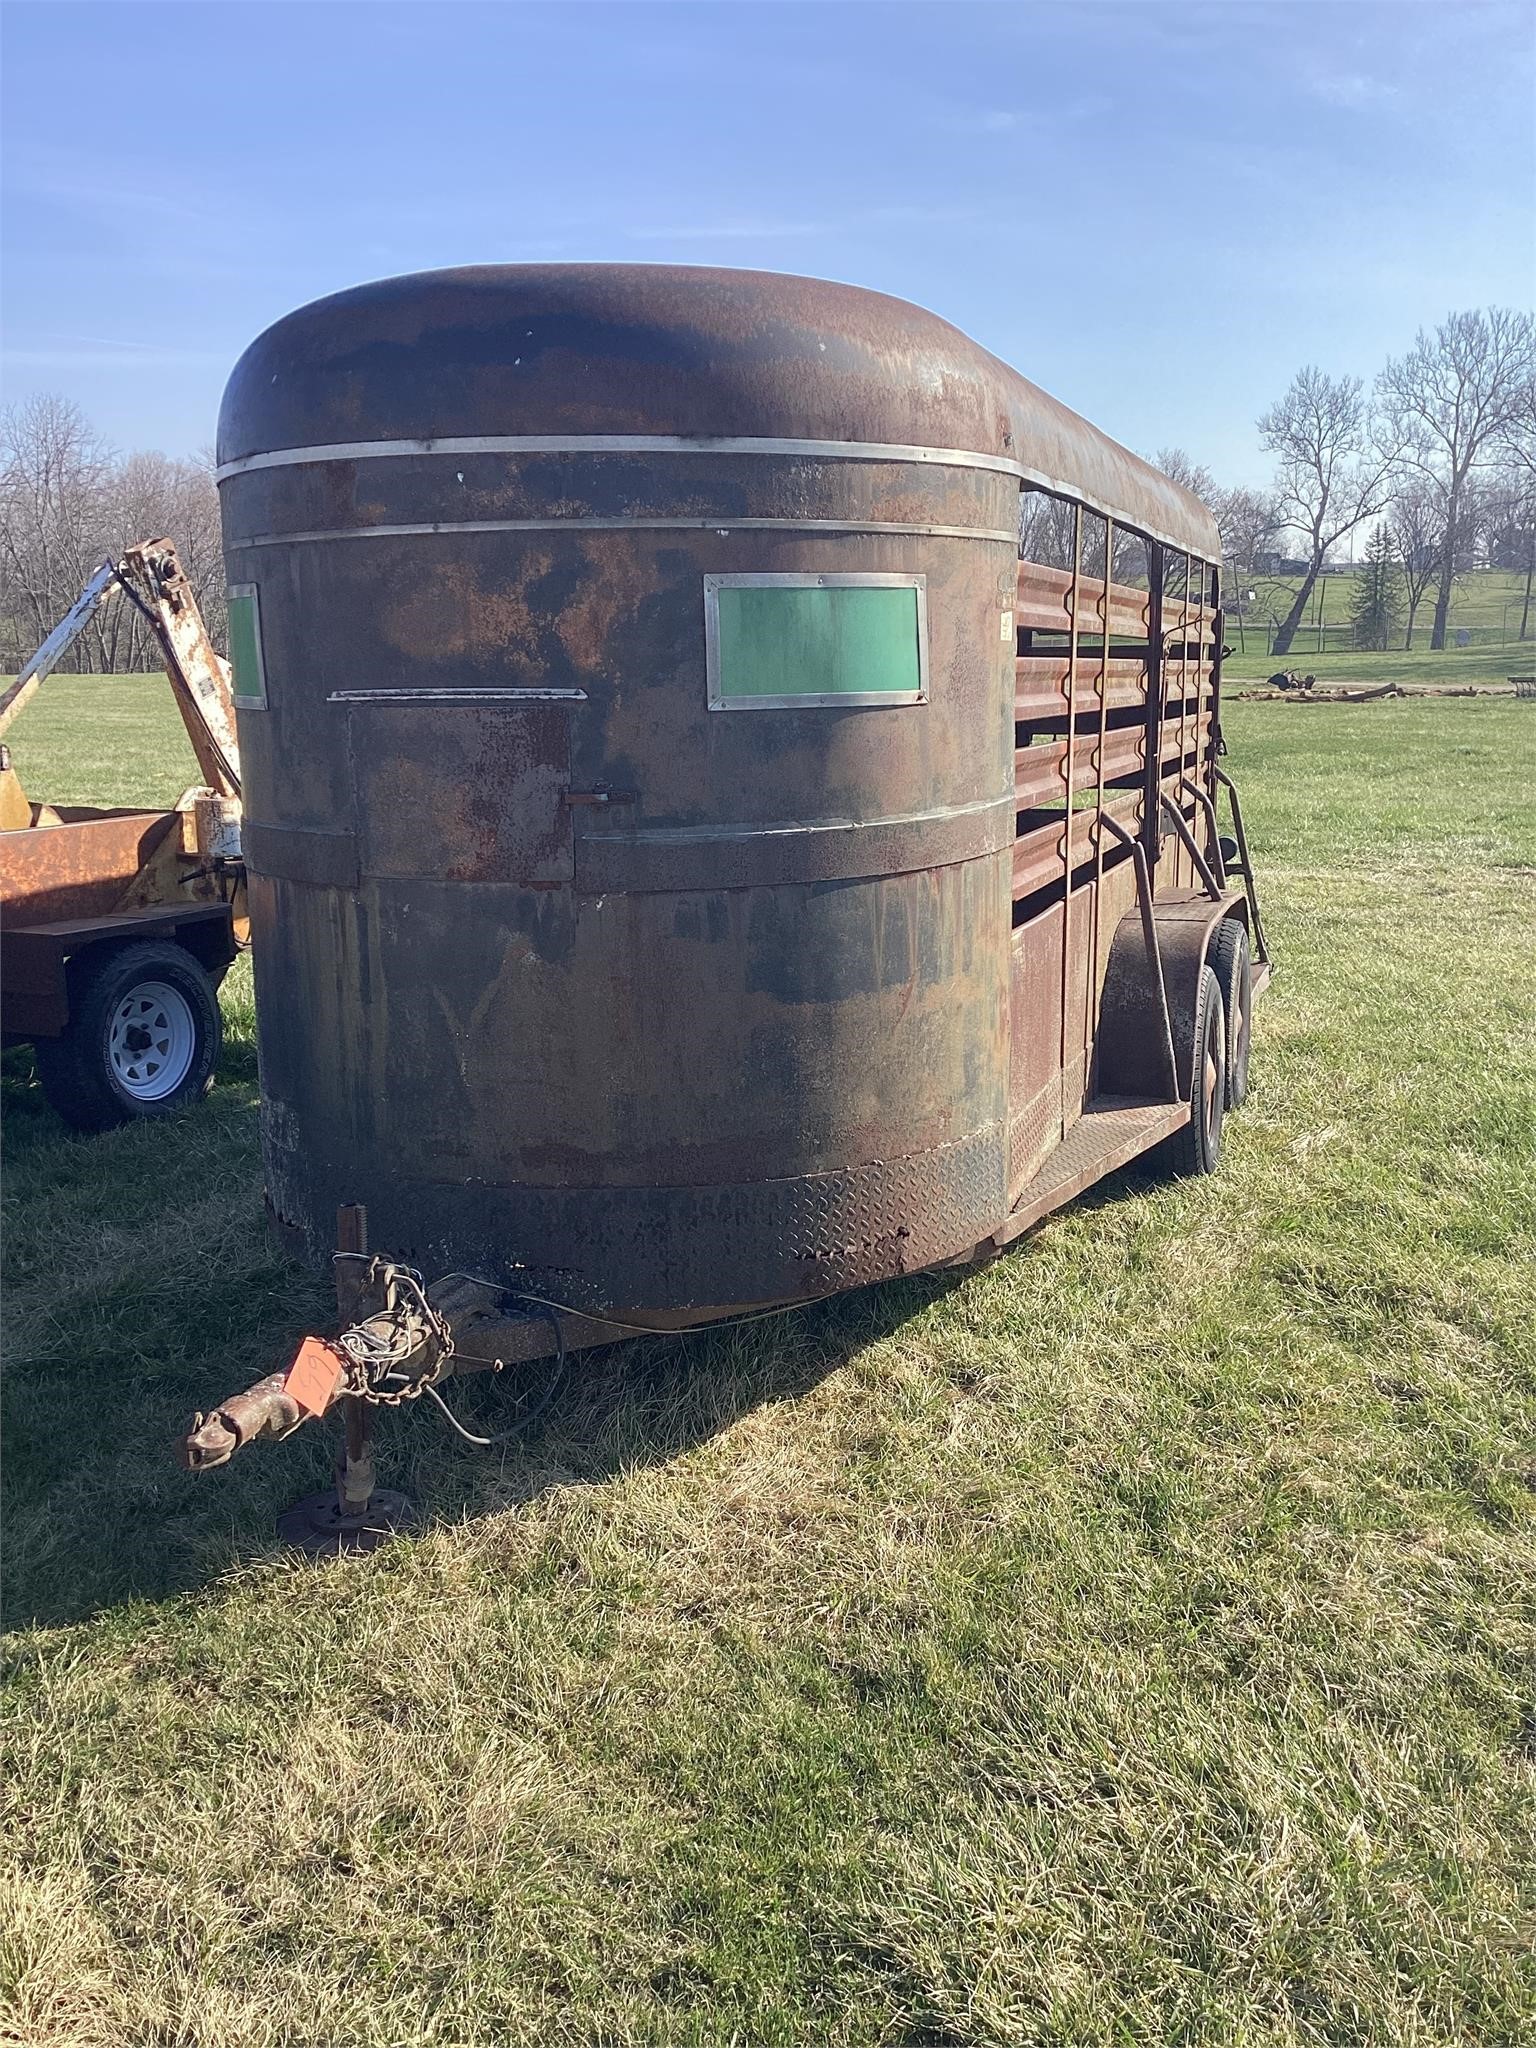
(731, 776)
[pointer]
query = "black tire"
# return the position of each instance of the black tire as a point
(1229, 959)
(1195, 1149)
(143, 1037)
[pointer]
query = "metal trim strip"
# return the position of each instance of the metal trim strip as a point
(466, 696)
(790, 828)
(680, 444)
(616, 444)
(593, 525)
(662, 859)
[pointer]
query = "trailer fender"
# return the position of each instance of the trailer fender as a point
(1131, 1046)
(40, 965)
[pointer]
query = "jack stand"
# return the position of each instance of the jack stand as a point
(355, 1515)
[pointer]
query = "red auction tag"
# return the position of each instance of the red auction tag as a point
(315, 1374)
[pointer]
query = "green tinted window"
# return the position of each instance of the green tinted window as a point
(803, 641)
(245, 658)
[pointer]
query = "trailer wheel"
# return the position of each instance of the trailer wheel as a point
(1195, 1148)
(143, 1038)
(1232, 964)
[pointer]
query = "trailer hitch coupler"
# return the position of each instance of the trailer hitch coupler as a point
(267, 1409)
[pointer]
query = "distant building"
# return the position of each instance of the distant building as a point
(1267, 562)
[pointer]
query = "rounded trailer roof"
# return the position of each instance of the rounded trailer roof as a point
(634, 357)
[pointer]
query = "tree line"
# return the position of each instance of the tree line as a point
(67, 503)
(1440, 453)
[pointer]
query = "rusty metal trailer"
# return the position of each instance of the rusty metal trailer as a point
(117, 924)
(732, 779)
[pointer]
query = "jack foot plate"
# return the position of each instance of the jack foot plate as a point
(317, 1525)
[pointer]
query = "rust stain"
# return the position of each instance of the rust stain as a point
(450, 612)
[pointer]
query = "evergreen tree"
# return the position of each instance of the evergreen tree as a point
(1377, 603)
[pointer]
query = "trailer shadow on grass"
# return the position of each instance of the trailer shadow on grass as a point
(141, 1287)
(98, 1515)
(626, 1407)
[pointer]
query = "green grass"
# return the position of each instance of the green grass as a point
(1131, 1642)
(1486, 603)
(103, 740)
(1451, 669)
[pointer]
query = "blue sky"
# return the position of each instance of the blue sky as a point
(1156, 211)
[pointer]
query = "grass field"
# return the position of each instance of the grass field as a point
(1418, 670)
(1487, 604)
(1131, 1642)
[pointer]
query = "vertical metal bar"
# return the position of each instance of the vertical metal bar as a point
(1256, 922)
(1184, 689)
(1191, 770)
(1091, 992)
(1202, 670)
(1153, 949)
(1071, 768)
(355, 1472)
(1207, 805)
(1218, 629)
(1151, 823)
(1206, 726)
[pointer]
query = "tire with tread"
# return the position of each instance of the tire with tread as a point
(1195, 1148)
(1231, 961)
(88, 1076)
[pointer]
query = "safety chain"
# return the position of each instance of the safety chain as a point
(376, 1359)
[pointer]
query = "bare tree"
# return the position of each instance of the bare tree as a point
(1247, 521)
(1183, 469)
(1331, 474)
(1517, 456)
(1448, 406)
(1509, 527)
(1418, 528)
(1046, 527)
(66, 503)
(157, 494)
(1528, 527)
(52, 472)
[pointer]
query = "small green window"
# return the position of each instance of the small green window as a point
(780, 642)
(245, 657)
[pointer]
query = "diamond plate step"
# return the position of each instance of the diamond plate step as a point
(1111, 1132)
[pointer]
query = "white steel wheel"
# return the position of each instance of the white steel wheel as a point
(152, 1041)
(142, 1038)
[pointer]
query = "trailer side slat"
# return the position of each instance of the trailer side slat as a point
(1039, 851)
(1039, 855)
(1039, 771)
(1040, 689)
(1040, 695)
(1044, 603)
